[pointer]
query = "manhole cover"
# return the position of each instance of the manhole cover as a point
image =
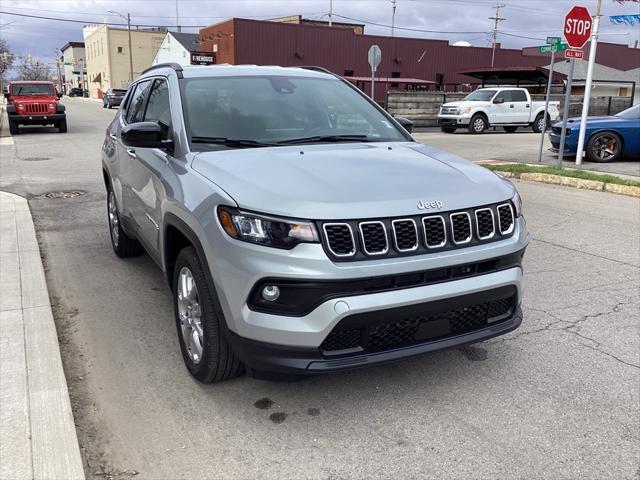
(35, 159)
(67, 194)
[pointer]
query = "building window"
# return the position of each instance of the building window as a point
(120, 49)
(395, 74)
(348, 73)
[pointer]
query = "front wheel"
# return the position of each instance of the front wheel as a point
(447, 129)
(13, 127)
(478, 124)
(62, 126)
(604, 147)
(540, 124)
(199, 318)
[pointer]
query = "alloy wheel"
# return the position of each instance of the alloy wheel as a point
(113, 219)
(190, 315)
(478, 125)
(605, 147)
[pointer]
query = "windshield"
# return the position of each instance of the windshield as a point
(273, 109)
(480, 96)
(32, 89)
(632, 113)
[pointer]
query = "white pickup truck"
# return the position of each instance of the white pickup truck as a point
(508, 108)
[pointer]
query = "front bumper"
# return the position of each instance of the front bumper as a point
(453, 121)
(570, 143)
(37, 119)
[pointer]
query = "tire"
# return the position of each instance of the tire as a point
(539, 123)
(510, 129)
(447, 129)
(123, 245)
(13, 127)
(62, 126)
(199, 317)
(604, 147)
(478, 124)
(104, 104)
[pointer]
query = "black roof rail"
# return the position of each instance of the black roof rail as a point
(318, 69)
(175, 66)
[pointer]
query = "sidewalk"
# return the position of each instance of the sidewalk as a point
(37, 433)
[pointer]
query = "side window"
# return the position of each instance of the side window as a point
(136, 105)
(518, 96)
(158, 110)
(506, 94)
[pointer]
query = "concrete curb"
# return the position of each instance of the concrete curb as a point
(37, 432)
(574, 182)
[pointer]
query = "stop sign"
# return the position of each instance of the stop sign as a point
(577, 26)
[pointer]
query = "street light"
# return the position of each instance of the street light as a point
(128, 19)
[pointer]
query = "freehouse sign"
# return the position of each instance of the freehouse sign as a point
(203, 58)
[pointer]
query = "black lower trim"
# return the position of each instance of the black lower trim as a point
(299, 297)
(265, 357)
(450, 122)
(37, 119)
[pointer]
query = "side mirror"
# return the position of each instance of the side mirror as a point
(406, 123)
(6, 95)
(145, 135)
(59, 95)
(498, 100)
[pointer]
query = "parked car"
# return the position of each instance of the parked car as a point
(34, 103)
(76, 92)
(606, 138)
(300, 227)
(113, 97)
(508, 108)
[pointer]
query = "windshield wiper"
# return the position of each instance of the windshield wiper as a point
(326, 138)
(231, 142)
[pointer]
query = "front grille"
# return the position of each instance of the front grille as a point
(484, 223)
(406, 326)
(374, 238)
(340, 239)
(36, 108)
(505, 218)
(405, 234)
(460, 228)
(449, 110)
(351, 240)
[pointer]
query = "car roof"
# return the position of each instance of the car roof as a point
(44, 82)
(225, 70)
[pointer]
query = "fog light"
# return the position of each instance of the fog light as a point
(270, 293)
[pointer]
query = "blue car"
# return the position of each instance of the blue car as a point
(607, 138)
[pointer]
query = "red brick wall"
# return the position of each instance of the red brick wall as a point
(222, 34)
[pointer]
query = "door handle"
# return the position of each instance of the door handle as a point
(528, 105)
(132, 153)
(511, 106)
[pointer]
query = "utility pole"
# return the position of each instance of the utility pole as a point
(393, 16)
(128, 19)
(496, 20)
(59, 71)
(330, 13)
(178, 27)
(587, 86)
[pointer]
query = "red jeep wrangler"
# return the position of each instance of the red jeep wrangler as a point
(34, 103)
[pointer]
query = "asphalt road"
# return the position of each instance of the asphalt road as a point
(521, 146)
(558, 398)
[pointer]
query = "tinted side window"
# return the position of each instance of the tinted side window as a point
(136, 105)
(518, 96)
(506, 94)
(158, 110)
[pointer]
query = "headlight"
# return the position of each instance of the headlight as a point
(264, 230)
(517, 204)
(468, 109)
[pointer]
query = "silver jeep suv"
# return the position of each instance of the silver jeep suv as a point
(300, 227)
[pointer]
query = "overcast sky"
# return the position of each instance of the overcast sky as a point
(461, 19)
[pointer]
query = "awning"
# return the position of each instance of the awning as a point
(97, 78)
(524, 75)
(408, 81)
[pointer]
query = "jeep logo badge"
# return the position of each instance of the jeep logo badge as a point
(429, 205)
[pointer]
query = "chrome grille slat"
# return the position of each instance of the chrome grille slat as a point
(405, 234)
(485, 223)
(374, 237)
(506, 221)
(435, 228)
(340, 239)
(461, 227)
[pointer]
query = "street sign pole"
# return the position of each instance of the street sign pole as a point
(375, 57)
(587, 86)
(373, 82)
(546, 103)
(565, 112)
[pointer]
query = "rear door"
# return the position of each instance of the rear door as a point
(519, 106)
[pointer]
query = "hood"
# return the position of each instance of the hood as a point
(343, 181)
(34, 98)
(591, 121)
(461, 103)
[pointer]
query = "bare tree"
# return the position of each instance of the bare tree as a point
(6, 59)
(29, 70)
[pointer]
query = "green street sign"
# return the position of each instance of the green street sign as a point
(553, 40)
(68, 63)
(560, 47)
